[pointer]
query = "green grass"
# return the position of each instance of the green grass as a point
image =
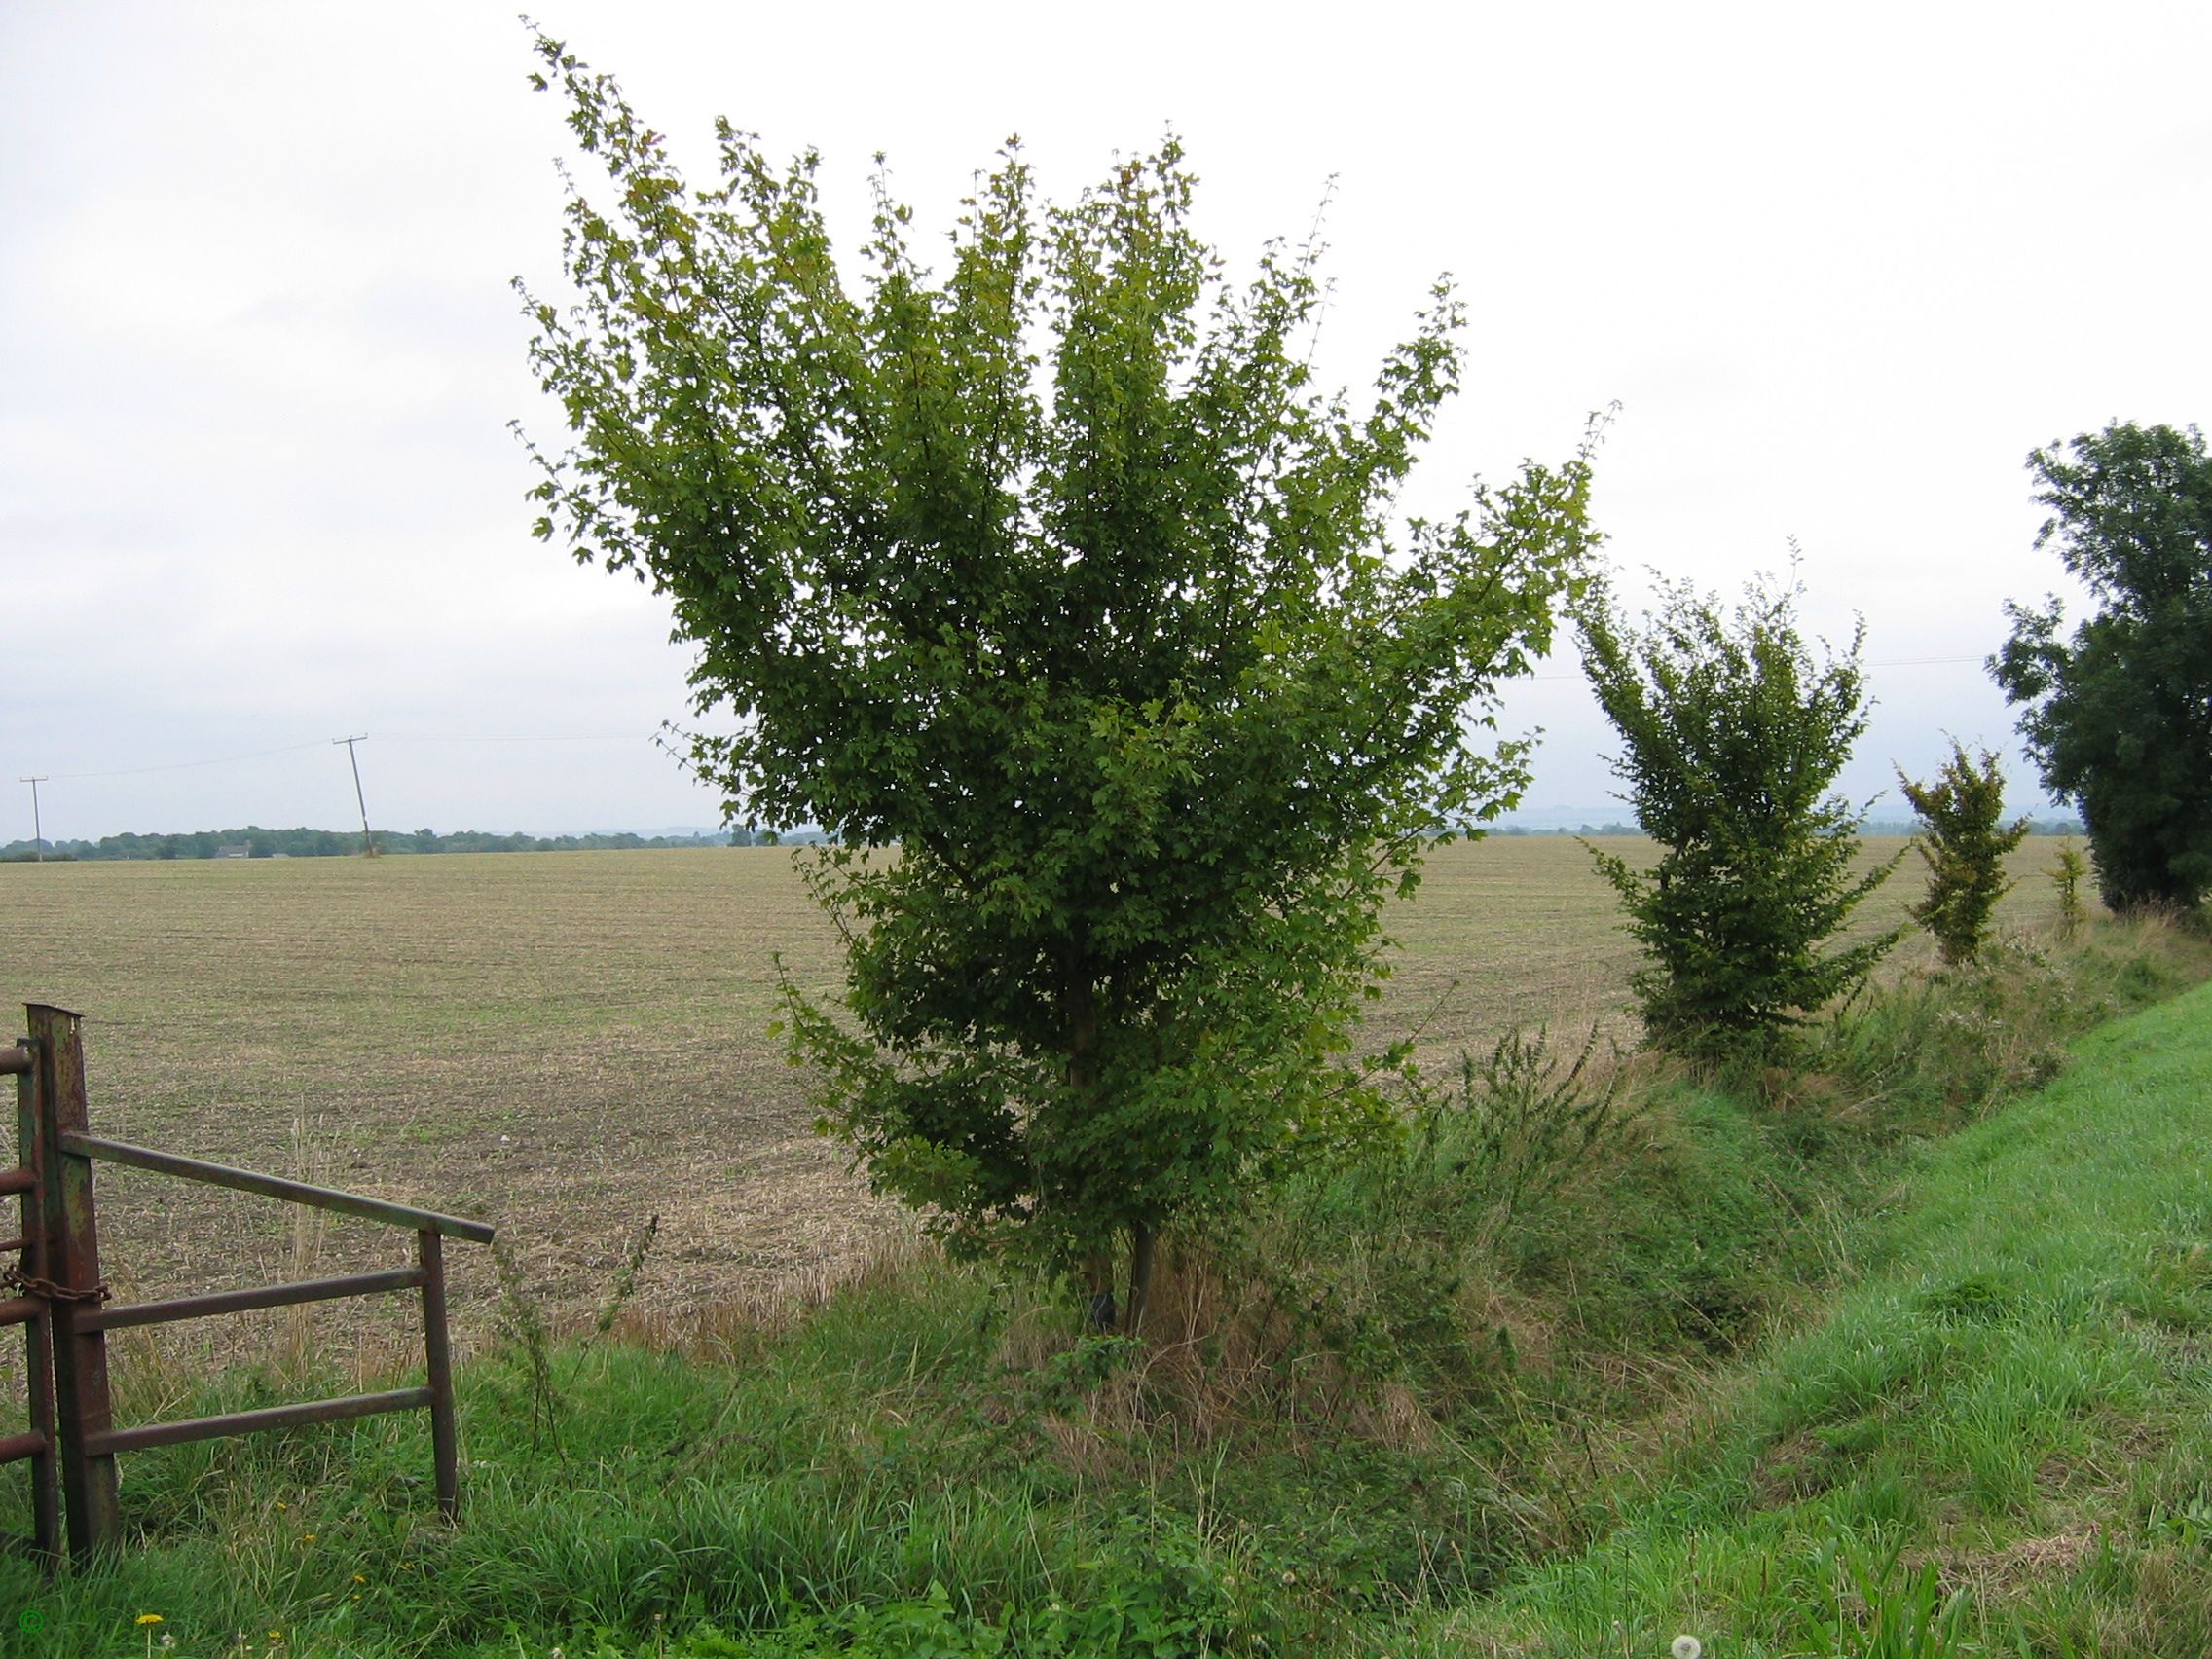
(875, 1455)
(2014, 1398)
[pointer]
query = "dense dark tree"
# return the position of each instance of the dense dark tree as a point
(2119, 714)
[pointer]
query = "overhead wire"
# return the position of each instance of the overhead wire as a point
(1895, 662)
(318, 743)
(632, 737)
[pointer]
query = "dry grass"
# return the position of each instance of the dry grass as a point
(567, 1044)
(1519, 931)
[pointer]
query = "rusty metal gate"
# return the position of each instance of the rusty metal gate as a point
(57, 1296)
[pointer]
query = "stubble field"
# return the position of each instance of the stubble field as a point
(569, 1044)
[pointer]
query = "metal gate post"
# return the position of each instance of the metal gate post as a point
(429, 1253)
(80, 1349)
(38, 1333)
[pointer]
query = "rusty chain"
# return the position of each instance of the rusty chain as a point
(47, 1290)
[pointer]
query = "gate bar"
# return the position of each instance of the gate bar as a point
(116, 1318)
(77, 1143)
(114, 1440)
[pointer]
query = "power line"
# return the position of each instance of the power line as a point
(295, 748)
(182, 765)
(1898, 662)
(553, 737)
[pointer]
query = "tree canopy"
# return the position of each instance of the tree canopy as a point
(1055, 573)
(2118, 717)
(1734, 732)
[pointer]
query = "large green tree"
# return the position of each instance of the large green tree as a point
(1052, 589)
(1734, 731)
(2120, 715)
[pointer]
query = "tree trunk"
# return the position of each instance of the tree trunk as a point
(1098, 1280)
(1141, 1241)
(1079, 1004)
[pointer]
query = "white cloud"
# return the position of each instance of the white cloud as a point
(1842, 268)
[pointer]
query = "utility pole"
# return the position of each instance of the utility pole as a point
(38, 831)
(368, 841)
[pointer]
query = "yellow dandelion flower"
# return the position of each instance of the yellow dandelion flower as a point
(149, 1618)
(358, 1579)
(306, 1537)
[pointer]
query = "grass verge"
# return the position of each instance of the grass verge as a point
(1998, 1443)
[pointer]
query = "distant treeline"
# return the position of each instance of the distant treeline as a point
(256, 842)
(1875, 827)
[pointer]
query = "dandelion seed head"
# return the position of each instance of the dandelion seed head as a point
(1686, 1647)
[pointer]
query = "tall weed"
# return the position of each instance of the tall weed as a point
(1364, 1273)
(1928, 1051)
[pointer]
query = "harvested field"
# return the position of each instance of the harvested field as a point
(567, 1044)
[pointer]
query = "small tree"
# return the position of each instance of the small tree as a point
(2066, 878)
(2119, 716)
(1057, 575)
(1734, 733)
(1964, 846)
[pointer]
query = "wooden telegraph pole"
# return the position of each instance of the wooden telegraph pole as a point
(368, 840)
(38, 830)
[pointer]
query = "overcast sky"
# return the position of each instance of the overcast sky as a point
(1841, 267)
